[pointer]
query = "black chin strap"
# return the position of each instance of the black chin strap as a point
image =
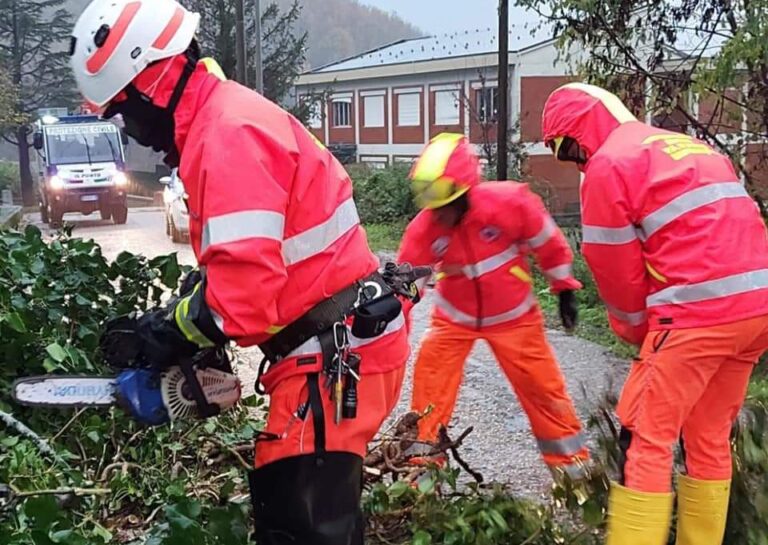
(189, 68)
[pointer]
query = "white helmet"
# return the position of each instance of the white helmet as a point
(114, 40)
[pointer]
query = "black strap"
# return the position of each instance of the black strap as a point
(318, 319)
(318, 414)
(189, 68)
(259, 387)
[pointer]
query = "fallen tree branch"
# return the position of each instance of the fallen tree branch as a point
(41, 444)
(399, 452)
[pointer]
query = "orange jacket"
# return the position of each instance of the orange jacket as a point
(484, 276)
(671, 236)
(272, 220)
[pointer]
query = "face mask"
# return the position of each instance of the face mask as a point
(150, 125)
(570, 150)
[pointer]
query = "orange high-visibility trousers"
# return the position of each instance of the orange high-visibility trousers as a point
(689, 382)
(527, 360)
(291, 421)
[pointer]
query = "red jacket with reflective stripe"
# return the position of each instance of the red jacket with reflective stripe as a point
(673, 239)
(483, 273)
(272, 220)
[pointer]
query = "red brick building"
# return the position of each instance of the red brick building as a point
(391, 101)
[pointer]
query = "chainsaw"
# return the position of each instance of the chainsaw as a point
(198, 387)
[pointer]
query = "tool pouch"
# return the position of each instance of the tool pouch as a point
(372, 317)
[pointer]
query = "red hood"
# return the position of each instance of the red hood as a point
(158, 82)
(586, 113)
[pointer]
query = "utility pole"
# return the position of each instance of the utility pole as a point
(257, 57)
(503, 114)
(240, 47)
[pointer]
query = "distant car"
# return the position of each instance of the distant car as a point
(176, 213)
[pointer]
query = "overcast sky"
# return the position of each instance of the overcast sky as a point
(437, 16)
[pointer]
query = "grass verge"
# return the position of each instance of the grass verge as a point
(385, 237)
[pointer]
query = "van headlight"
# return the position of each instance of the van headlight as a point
(120, 179)
(55, 183)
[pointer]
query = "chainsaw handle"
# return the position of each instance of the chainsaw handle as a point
(206, 409)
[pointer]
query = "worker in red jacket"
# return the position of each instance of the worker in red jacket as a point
(479, 235)
(679, 254)
(282, 253)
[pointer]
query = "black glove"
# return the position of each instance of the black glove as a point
(569, 311)
(153, 340)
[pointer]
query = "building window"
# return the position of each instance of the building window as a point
(373, 108)
(488, 104)
(377, 162)
(409, 109)
(447, 108)
(342, 112)
(404, 159)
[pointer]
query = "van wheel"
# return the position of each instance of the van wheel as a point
(120, 214)
(56, 217)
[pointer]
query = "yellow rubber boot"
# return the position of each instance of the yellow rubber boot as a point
(638, 518)
(702, 509)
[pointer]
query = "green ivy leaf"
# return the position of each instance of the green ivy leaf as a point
(15, 322)
(10, 441)
(421, 538)
(49, 365)
(60, 536)
(498, 519)
(427, 485)
(56, 352)
(398, 489)
(103, 533)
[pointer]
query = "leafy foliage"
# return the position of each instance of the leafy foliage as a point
(112, 477)
(439, 510)
(284, 50)
(383, 196)
(9, 176)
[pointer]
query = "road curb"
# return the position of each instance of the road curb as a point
(10, 216)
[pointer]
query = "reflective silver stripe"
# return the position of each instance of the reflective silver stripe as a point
(689, 201)
(243, 225)
(631, 318)
(567, 446)
(421, 284)
(312, 346)
(463, 318)
(613, 236)
(544, 235)
(217, 319)
(561, 272)
(711, 289)
(490, 264)
(317, 239)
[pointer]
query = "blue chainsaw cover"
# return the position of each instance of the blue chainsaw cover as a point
(138, 392)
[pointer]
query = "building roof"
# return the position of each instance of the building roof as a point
(441, 46)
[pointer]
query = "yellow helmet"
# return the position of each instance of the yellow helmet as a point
(446, 170)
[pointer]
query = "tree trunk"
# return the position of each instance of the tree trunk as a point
(27, 183)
